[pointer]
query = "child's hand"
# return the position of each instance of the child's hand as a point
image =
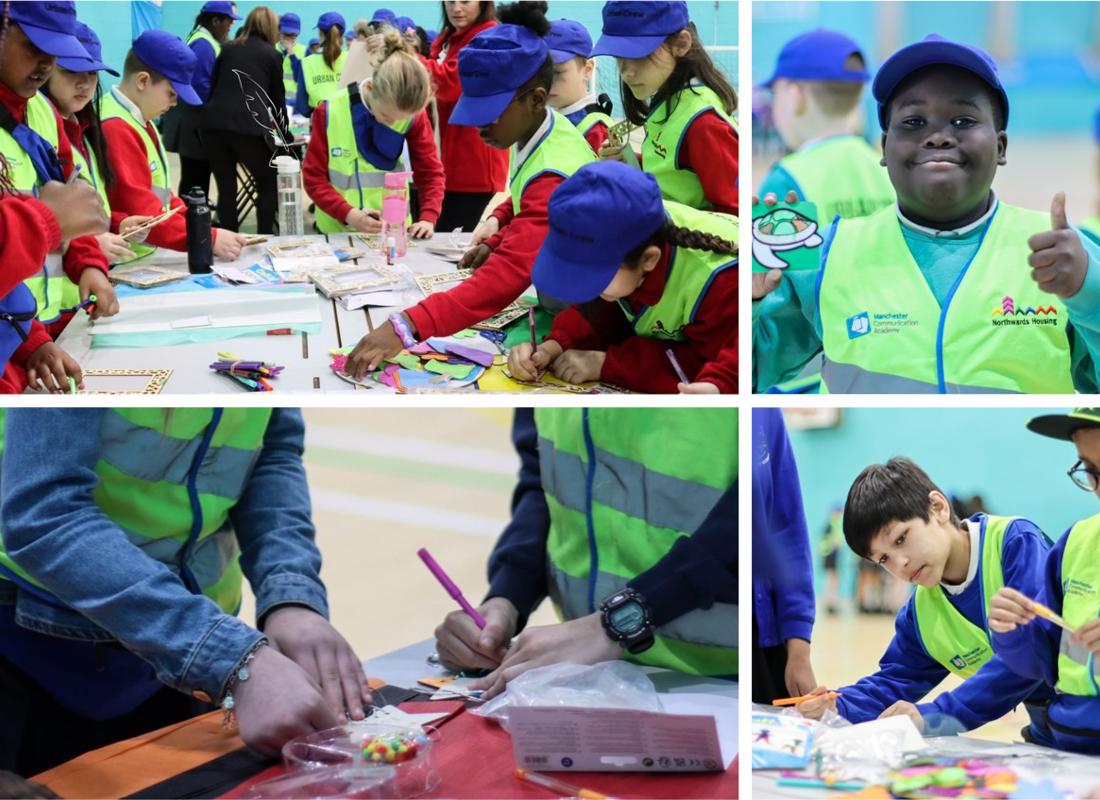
(816, 706)
(486, 229)
(365, 220)
(1088, 636)
(904, 709)
(611, 152)
(799, 674)
(579, 366)
(115, 247)
(475, 257)
(1058, 259)
(382, 343)
(228, 245)
(129, 223)
(698, 387)
(94, 281)
(527, 364)
(422, 230)
(461, 645)
(1008, 610)
(77, 207)
(49, 368)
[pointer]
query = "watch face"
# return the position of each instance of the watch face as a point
(627, 619)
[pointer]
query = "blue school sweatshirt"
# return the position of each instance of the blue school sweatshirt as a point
(1032, 651)
(782, 566)
(907, 672)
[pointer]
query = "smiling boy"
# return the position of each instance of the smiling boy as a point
(896, 517)
(967, 293)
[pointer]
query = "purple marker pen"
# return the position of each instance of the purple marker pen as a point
(450, 586)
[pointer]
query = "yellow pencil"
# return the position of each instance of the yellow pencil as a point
(1047, 613)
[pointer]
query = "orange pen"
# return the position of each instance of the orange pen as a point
(554, 785)
(794, 701)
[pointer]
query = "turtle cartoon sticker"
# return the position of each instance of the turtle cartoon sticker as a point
(785, 237)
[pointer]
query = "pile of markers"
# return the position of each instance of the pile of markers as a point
(255, 376)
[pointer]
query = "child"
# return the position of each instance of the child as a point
(897, 517)
(359, 135)
(157, 70)
(656, 275)
(39, 151)
(314, 47)
(321, 71)
(951, 285)
(816, 88)
(570, 45)
(293, 52)
(1037, 648)
(670, 85)
(506, 74)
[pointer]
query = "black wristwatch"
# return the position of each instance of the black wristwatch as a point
(626, 620)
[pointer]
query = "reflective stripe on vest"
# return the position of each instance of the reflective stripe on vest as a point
(321, 81)
(156, 468)
(951, 639)
(663, 138)
(690, 273)
(996, 332)
(561, 151)
(842, 176)
(622, 486)
(1078, 672)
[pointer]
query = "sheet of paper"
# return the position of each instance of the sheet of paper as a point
(382, 299)
(200, 321)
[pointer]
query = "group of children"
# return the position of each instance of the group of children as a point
(923, 218)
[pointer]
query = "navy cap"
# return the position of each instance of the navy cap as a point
(383, 15)
(50, 26)
(404, 23)
(290, 23)
(431, 35)
(818, 56)
(166, 53)
(90, 42)
(636, 28)
(491, 67)
(222, 7)
(585, 245)
(568, 39)
(933, 49)
(330, 18)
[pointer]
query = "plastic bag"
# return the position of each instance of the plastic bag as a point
(610, 684)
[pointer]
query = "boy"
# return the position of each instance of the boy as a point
(897, 517)
(157, 71)
(816, 89)
(293, 51)
(1071, 588)
(951, 284)
(570, 45)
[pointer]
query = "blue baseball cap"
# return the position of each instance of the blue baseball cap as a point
(933, 49)
(90, 42)
(290, 23)
(431, 35)
(330, 18)
(491, 67)
(585, 246)
(383, 15)
(818, 56)
(51, 27)
(314, 42)
(222, 7)
(636, 28)
(404, 23)
(568, 39)
(166, 53)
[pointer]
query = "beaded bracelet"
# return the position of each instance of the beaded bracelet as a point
(240, 674)
(402, 329)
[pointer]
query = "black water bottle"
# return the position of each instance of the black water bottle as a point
(200, 235)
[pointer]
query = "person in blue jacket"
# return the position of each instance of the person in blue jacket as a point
(121, 558)
(897, 517)
(782, 569)
(1037, 648)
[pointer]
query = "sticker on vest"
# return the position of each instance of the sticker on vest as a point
(1010, 314)
(785, 237)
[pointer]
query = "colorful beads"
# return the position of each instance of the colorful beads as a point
(393, 748)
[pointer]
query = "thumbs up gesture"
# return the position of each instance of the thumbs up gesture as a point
(1058, 260)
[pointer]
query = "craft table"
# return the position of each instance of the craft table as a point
(473, 757)
(305, 356)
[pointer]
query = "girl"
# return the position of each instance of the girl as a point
(359, 135)
(321, 71)
(670, 269)
(670, 85)
(475, 171)
(506, 75)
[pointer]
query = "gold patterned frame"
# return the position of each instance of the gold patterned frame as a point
(441, 281)
(330, 281)
(142, 277)
(157, 379)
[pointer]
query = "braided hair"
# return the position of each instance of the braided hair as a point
(671, 233)
(6, 186)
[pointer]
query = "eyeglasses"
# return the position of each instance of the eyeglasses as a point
(1085, 477)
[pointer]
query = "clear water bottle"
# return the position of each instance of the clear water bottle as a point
(395, 208)
(289, 176)
(200, 236)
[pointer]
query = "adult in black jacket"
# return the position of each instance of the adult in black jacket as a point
(246, 96)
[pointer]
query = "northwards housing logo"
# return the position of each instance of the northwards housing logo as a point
(1010, 314)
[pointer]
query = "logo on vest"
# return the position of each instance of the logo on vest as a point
(972, 658)
(659, 148)
(859, 325)
(958, 662)
(336, 152)
(153, 165)
(658, 331)
(879, 323)
(1008, 313)
(1072, 587)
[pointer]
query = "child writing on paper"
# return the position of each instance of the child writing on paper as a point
(359, 135)
(671, 86)
(1038, 648)
(506, 73)
(718, 376)
(652, 276)
(896, 517)
(157, 71)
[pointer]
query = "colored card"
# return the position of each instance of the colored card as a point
(785, 236)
